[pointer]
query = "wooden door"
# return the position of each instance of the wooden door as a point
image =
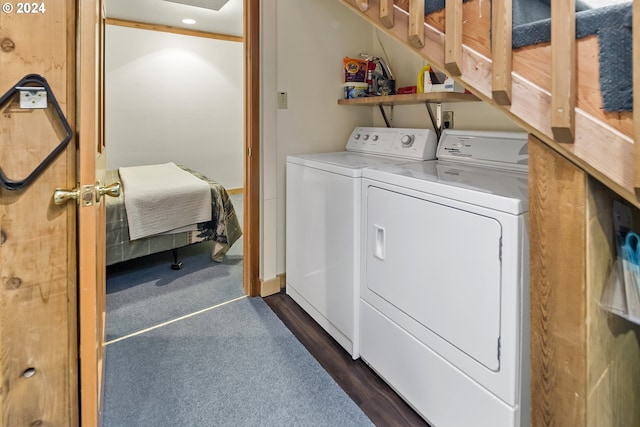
(91, 218)
(38, 310)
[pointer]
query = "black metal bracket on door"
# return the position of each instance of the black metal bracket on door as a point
(36, 81)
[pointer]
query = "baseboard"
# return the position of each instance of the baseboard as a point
(235, 190)
(272, 286)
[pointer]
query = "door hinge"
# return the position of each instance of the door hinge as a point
(248, 151)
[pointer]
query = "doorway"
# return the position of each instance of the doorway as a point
(250, 149)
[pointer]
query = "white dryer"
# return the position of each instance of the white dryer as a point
(323, 223)
(444, 314)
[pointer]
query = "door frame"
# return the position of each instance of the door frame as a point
(90, 161)
(251, 64)
(252, 133)
(251, 255)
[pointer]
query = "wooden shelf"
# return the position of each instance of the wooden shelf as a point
(411, 98)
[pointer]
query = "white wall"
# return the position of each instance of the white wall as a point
(303, 43)
(175, 98)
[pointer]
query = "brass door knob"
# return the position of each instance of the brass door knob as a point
(60, 196)
(111, 190)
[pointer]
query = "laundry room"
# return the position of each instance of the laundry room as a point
(333, 223)
(316, 122)
(426, 258)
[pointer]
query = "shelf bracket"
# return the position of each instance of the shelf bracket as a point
(436, 119)
(387, 121)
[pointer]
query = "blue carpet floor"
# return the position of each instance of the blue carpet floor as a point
(187, 348)
(144, 292)
(147, 292)
(235, 365)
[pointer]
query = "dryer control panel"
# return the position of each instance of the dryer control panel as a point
(504, 150)
(412, 144)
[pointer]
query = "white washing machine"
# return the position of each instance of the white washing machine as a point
(444, 314)
(323, 223)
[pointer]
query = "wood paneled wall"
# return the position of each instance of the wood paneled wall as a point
(585, 368)
(613, 344)
(557, 197)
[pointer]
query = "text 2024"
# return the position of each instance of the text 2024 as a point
(30, 7)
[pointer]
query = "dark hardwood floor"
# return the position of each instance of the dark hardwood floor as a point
(376, 399)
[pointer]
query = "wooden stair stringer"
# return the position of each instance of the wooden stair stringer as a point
(599, 149)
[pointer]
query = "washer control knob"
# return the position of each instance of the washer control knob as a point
(374, 138)
(407, 140)
(365, 137)
(356, 136)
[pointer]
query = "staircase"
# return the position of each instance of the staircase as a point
(551, 89)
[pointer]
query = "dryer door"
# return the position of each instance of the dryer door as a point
(438, 265)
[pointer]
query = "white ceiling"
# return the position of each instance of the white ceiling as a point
(228, 20)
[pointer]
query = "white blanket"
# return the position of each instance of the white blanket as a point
(160, 198)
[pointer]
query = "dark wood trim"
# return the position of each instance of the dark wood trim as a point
(251, 281)
(173, 30)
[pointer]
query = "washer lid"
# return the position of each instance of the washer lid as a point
(497, 189)
(342, 162)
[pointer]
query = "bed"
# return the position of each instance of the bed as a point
(597, 115)
(223, 229)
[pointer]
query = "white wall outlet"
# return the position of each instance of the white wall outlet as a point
(282, 100)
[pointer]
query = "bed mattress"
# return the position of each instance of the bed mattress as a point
(224, 228)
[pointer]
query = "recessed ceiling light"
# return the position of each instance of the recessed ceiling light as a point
(189, 21)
